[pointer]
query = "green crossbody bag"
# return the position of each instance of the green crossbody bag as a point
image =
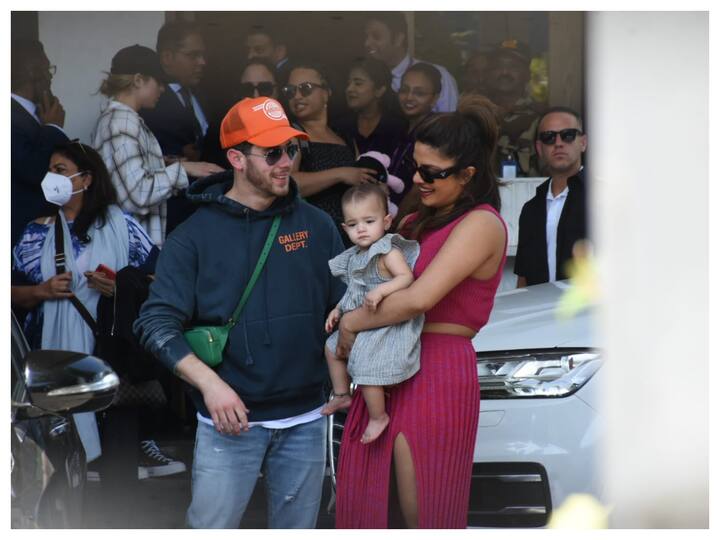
(208, 342)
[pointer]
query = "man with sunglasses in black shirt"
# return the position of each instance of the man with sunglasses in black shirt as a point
(556, 217)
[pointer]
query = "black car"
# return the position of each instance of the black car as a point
(48, 466)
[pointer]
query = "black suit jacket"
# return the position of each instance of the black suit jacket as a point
(172, 123)
(31, 145)
(531, 257)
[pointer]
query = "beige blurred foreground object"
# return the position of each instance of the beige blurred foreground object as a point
(580, 511)
(584, 288)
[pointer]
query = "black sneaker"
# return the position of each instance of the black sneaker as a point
(154, 463)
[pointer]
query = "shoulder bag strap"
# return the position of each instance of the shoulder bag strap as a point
(60, 269)
(256, 273)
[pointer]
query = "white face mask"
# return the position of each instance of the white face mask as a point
(58, 188)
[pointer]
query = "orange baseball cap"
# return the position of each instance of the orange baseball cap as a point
(260, 121)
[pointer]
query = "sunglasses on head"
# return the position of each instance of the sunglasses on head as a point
(429, 176)
(566, 135)
(265, 89)
(274, 154)
(305, 89)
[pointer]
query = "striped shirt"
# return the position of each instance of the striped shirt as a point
(133, 156)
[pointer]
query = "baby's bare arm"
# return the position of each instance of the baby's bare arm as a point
(394, 264)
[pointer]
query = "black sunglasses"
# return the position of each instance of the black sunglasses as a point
(306, 88)
(274, 154)
(430, 176)
(265, 88)
(566, 135)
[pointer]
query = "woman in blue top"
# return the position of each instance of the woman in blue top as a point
(95, 231)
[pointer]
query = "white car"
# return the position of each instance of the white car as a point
(539, 428)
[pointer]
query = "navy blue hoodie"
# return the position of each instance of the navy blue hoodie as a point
(274, 355)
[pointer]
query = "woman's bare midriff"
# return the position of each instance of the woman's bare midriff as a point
(448, 328)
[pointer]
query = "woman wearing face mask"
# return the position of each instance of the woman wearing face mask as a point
(419, 91)
(95, 231)
(131, 152)
(325, 168)
(375, 123)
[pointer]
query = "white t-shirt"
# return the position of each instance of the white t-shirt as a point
(282, 423)
(554, 207)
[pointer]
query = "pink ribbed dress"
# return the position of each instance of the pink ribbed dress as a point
(436, 410)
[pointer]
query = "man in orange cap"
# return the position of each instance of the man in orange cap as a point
(259, 409)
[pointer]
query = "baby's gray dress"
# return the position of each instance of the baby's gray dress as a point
(386, 355)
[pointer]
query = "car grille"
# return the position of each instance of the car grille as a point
(509, 495)
(501, 494)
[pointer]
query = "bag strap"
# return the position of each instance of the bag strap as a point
(60, 269)
(256, 273)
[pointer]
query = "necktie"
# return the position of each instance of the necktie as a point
(187, 97)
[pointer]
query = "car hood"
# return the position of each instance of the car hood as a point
(526, 319)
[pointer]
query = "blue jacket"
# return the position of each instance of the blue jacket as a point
(274, 358)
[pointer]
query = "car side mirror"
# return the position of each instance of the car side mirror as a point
(64, 381)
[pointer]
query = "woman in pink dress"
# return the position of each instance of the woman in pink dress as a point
(428, 445)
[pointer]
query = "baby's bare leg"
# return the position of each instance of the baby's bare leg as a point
(374, 397)
(340, 383)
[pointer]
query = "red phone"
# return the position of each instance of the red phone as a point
(108, 272)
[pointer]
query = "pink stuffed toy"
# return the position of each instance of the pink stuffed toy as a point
(380, 162)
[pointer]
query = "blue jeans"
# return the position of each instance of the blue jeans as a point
(226, 467)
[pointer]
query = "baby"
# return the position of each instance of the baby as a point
(376, 266)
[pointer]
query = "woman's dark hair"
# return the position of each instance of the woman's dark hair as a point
(380, 75)
(322, 71)
(99, 195)
(468, 136)
(431, 72)
(257, 61)
(306, 63)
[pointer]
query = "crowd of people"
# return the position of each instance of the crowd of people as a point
(280, 204)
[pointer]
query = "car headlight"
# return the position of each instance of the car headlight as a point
(527, 374)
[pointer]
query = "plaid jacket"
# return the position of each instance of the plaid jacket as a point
(137, 170)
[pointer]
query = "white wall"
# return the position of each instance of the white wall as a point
(648, 124)
(81, 45)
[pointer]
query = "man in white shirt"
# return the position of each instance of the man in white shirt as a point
(386, 40)
(556, 218)
(36, 119)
